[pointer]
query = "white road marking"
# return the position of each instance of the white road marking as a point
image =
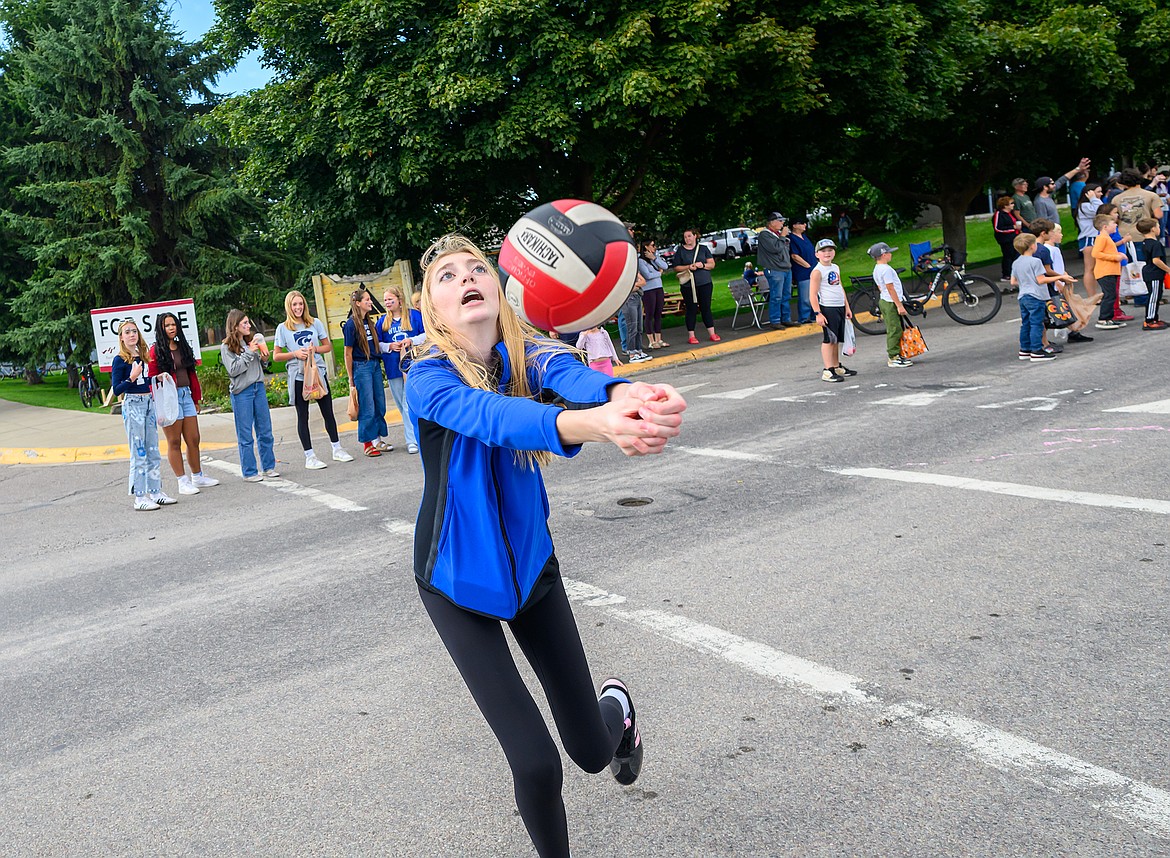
(1154, 505)
(714, 453)
(743, 393)
(920, 400)
(1162, 406)
(334, 502)
(804, 396)
(1046, 403)
(686, 388)
(398, 527)
(1128, 799)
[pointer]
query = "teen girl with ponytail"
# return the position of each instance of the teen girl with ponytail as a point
(363, 365)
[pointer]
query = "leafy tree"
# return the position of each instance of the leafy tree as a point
(932, 100)
(390, 122)
(125, 196)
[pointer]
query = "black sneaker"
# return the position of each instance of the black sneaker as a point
(626, 764)
(844, 370)
(831, 376)
(1078, 337)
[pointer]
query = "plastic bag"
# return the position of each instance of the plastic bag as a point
(849, 344)
(1058, 336)
(1132, 283)
(166, 398)
(313, 386)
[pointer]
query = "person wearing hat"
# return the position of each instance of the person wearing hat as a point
(1024, 207)
(1046, 187)
(774, 258)
(804, 257)
(890, 298)
(827, 294)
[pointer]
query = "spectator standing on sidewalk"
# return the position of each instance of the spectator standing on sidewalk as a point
(131, 381)
(630, 317)
(774, 257)
(1086, 210)
(1006, 224)
(1024, 207)
(1154, 272)
(300, 338)
(653, 294)
(399, 331)
(827, 293)
(804, 259)
(694, 257)
(1107, 269)
(243, 354)
(1028, 275)
(363, 366)
(171, 353)
(1047, 187)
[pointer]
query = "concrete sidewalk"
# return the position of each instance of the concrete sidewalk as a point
(34, 435)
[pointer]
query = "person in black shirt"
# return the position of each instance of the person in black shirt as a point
(693, 263)
(1154, 271)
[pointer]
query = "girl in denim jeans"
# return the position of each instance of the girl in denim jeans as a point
(132, 382)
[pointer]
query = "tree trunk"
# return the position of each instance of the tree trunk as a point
(954, 223)
(74, 377)
(31, 376)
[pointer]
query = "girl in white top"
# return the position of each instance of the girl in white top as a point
(827, 296)
(1091, 200)
(298, 338)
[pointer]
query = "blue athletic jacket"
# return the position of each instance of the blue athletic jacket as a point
(482, 537)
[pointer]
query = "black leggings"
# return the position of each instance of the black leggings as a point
(704, 305)
(325, 403)
(1010, 254)
(590, 729)
(653, 301)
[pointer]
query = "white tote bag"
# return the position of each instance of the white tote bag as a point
(1132, 283)
(166, 398)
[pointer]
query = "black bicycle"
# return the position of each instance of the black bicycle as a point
(87, 386)
(967, 298)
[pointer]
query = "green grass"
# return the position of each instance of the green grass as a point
(54, 393)
(982, 249)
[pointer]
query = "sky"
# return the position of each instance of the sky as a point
(193, 18)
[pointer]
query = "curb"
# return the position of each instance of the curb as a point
(121, 452)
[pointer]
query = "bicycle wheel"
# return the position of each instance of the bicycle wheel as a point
(971, 299)
(85, 389)
(867, 314)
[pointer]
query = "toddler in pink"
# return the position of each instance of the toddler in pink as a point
(599, 350)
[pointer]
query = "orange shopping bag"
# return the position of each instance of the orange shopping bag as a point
(912, 343)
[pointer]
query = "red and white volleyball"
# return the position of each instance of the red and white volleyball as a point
(567, 265)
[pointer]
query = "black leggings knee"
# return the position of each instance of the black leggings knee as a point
(325, 403)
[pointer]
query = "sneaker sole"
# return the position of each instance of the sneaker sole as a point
(625, 768)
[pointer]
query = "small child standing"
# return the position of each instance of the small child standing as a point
(827, 296)
(1028, 275)
(1052, 243)
(890, 298)
(1107, 269)
(599, 351)
(1154, 272)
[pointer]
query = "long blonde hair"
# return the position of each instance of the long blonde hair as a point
(403, 308)
(524, 344)
(291, 321)
(124, 352)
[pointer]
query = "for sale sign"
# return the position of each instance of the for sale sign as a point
(108, 320)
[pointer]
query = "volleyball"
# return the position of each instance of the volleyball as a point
(567, 265)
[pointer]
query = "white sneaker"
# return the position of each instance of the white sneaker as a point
(272, 473)
(412, 448)
(203, 482)
(186, 487)
(255, 478)
(143, 503)
(313, 463)
(640, 357)
(340, 455)
(162, 499)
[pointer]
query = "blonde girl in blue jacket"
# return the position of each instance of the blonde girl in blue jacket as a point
(492, 400)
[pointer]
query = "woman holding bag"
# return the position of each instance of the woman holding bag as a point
(300, 338)
(398, 332)
(131, 381)
(242, 354)
(172, 354)
(693, 263)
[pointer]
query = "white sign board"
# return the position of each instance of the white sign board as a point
(107, 320)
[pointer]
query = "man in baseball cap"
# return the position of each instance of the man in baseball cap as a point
(774, 258)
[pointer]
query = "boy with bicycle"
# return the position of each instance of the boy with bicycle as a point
(890, 298)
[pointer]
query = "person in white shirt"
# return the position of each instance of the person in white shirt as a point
(827, 296)
(890, 298)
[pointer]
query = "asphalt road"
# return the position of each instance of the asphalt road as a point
(921, 613)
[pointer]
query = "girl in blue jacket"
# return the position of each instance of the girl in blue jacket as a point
(492, 400)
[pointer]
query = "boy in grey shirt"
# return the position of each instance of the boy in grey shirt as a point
(1028, 274)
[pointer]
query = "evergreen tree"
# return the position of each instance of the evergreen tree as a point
(125, 195)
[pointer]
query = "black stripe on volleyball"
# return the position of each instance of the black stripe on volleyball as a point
(587, 241)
